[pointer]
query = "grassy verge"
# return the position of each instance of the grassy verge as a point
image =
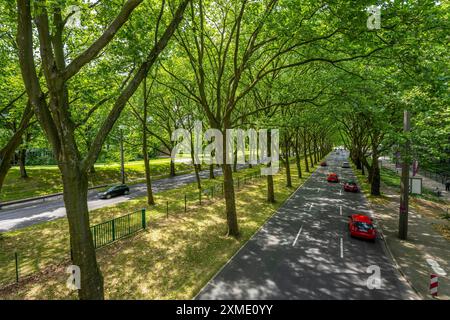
(173, 259)
(45, 180)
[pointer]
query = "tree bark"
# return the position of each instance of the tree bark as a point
(375, 176)
(211, 171)
(288, 173)
(230, 201)
(7, 152)
(22, 165)
(305, 155)
(197, 176)
(172, 168)
(310, 155)
(83, 252)
(297, 158)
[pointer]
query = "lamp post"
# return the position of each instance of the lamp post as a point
(404, 184)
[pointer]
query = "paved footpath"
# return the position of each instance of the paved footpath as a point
(428, 183)
(305, 252)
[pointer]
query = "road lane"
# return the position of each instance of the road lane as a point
(324, 263)
(24, 215)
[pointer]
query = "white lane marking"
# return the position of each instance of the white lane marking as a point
(310, 206)
(340, 192)
(318, 189)
(342, 248)
(340, 210)
(299, 231)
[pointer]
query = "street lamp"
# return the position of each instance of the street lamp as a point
(404, 185)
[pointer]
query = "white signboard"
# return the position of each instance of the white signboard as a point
(415, 185)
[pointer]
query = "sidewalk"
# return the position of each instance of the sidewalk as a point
(427, 183)
(427, 249)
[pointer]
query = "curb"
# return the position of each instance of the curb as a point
(397, 265)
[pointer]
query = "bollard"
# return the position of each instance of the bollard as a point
(434, 283)
(185, 203)
(167, 209)
(17, 266)
(144, 223)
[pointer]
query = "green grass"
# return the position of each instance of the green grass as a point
(391, 179)
(45, 180)
(173, 259)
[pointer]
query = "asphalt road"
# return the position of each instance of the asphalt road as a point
(305, 251)
(34, 212)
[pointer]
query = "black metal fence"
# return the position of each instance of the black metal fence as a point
(109, 231)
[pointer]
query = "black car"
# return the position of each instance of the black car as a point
(345, 165)
(114, 192)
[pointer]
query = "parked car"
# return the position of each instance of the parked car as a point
(351, 186)
(323, 164)
(114, 191)
(361, 226)
(332, 177)
(345, 164)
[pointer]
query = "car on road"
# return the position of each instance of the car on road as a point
(323, 164)
(332, 177)
(351, 186)
(361, 226)
(345, 164)
(115, 191)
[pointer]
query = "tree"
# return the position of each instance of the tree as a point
(54, 113)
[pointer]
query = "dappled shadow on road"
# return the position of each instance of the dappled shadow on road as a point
(304, 252)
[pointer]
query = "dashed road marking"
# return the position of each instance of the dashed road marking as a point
(298, 234)
(340, 210)
(342, 248)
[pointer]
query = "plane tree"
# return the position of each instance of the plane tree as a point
(48, 21)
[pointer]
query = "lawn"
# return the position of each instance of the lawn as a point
(172, 259)
(45, 180)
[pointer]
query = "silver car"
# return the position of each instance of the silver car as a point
(345, 164)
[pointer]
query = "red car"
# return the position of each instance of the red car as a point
(333, 177)
(361, 226)
(351, 186)
(323, 164)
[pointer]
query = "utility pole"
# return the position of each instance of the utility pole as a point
(122, 158)
(404, 184)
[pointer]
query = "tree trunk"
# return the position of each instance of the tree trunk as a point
(7, 152)
(375, 176)
(211, 171)
(172, 168)
(235, 162)
(315, 152)
(288, 173)
(270, 189)
(197, 176)
(22, 160)
(230, 201)
(83, 252)
(305, 156)
(297, 160)
(310, 156)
